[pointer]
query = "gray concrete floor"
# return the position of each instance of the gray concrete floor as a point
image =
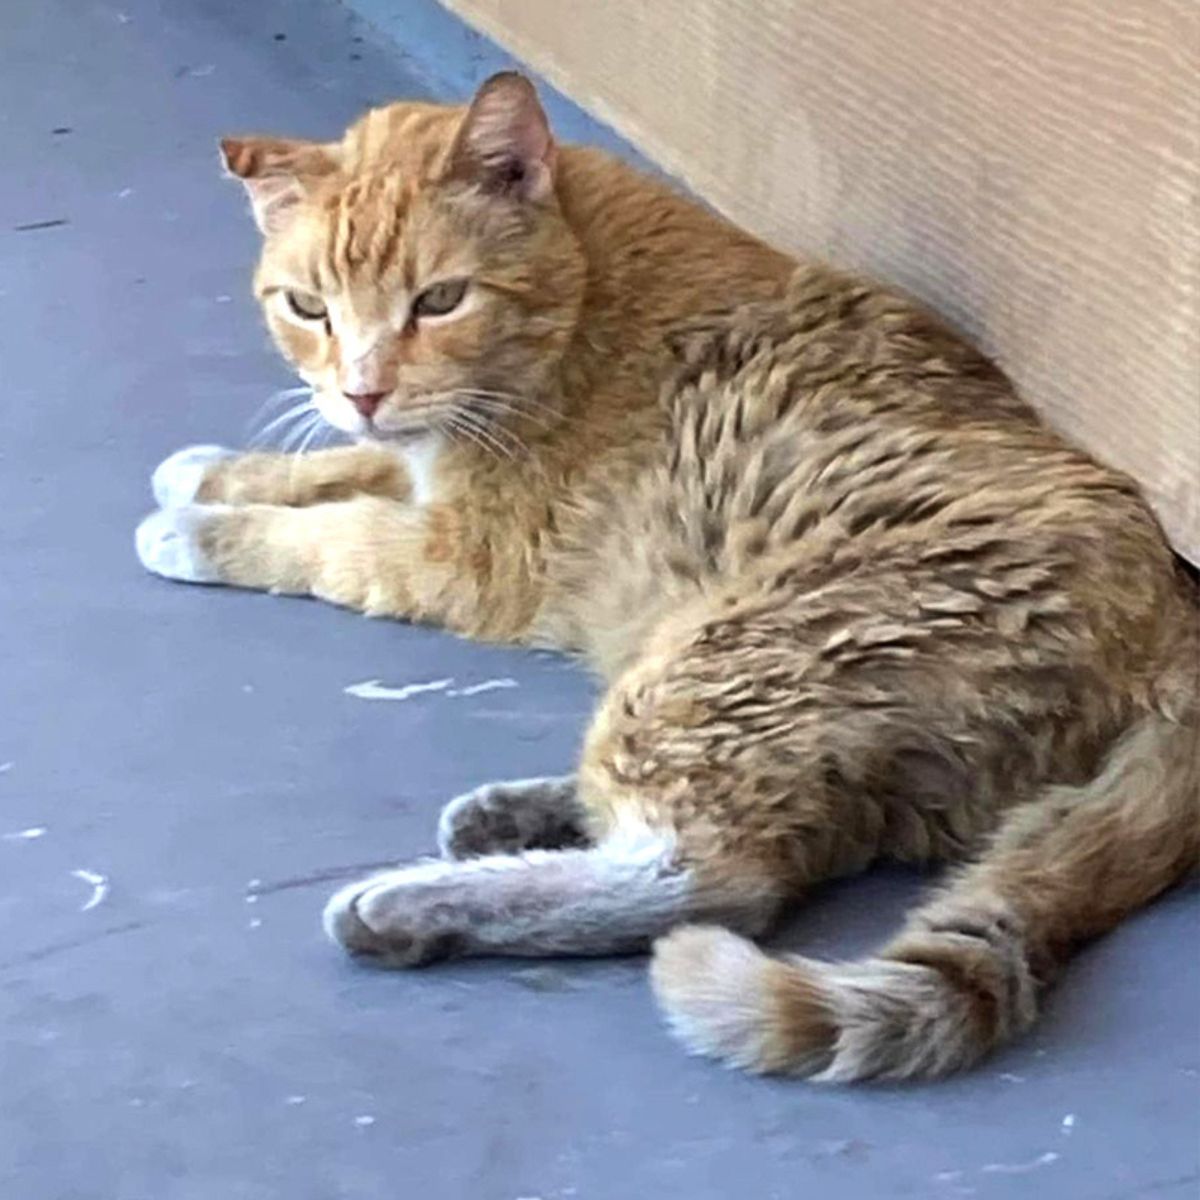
(191, 1036)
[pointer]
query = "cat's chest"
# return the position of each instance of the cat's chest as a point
(421, 457)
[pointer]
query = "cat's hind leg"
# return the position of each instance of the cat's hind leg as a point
(506, 818)
(969, 969)
(613, 898)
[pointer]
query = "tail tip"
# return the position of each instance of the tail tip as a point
(726, 999)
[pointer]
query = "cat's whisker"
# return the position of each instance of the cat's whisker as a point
(505, 434)
(513, 403)
(275, 400)
(465, 406)
(482, 432)
(311, 428)
(513, 445)
(524, 405)
(471, 434)
(456, 432)
(492, 405)
(296, 434)
(314, 427)
(501, 395)
(326, 433)
(292, 414)
(310, 437)
(491, 435)
(445, 428)
(316, 435)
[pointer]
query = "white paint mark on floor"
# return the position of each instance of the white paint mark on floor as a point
(488, 685)
(1009, 1077)
(364, 1121)
(1034, 1164)
(6, 767)
(1068, 1123)
(254, 923)
(374, 689)
(124, 193)
(27, 835)
(99, 885)
(294, 1100)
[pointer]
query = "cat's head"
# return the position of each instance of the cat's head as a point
(419, 273)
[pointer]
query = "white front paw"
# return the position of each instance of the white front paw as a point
(168, 543)
(176, 480)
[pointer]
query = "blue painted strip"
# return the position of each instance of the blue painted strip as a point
(453, 59)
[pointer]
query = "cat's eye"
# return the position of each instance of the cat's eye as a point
(440, 298)
(306, 306)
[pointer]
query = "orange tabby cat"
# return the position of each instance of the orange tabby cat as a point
(852, 600)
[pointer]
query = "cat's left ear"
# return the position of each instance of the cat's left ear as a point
(276, 173)
(504, 143)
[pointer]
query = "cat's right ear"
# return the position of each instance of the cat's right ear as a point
(276, 173)
(504, 144)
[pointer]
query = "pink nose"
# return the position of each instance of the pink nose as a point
(365, 402)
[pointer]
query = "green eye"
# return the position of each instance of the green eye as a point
(440, 299)
(307, 307)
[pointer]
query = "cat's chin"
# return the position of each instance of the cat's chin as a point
(395, 437)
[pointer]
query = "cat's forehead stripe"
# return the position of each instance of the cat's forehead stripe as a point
(404, 139)
(365, 224)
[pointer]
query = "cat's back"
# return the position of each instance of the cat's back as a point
(841, 432)
(845, 400)
(846, 432)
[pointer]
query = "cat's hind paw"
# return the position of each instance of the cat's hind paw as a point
(401, 918)
(176, 480)
(506, 818)
(168, 543)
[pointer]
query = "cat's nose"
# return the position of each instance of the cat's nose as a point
(365, 402)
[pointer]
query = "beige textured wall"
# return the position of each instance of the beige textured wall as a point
(1031, 168)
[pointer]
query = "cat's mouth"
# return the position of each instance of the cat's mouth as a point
(381, 423)
(410, 433)
(455, 413)
(402, 427)
(471, 415)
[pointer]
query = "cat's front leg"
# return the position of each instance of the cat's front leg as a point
(378, 556)
(215, 475)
